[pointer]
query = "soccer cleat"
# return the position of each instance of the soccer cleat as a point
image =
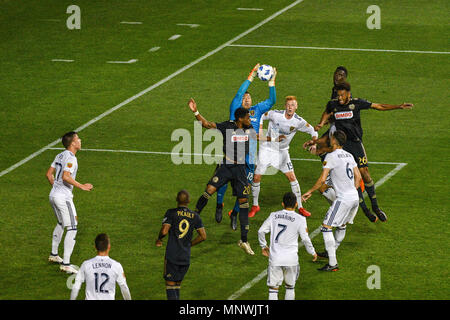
(219, 209)
(253, 211)
(327, 267)
(246, 247)
(55, 258)
(370, 215)
(323, 255)
(68, 268)
(233, 220)
(380, 214)
(304, 212)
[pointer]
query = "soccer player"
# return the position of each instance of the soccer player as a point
(284, 226)
(345, 113)
(101, 274)
(342, 168)
(180, 224)
(244, 99)
(283, 124)
(62, 174)
(236, 136)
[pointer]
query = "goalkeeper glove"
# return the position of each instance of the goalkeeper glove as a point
(252, 73)
(272, 80)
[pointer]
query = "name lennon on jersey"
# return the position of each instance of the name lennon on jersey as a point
(101, 265)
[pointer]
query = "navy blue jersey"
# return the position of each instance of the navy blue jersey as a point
(236, 141)
(182, 222)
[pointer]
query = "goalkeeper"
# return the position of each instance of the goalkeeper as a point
(244, 99)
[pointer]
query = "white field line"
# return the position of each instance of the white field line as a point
(192, 25)
(123, 62)
(131, 22)
(156, 85)
(174, 37)
(260, 276)
(338, 49)
(62, 60)
(250, 9)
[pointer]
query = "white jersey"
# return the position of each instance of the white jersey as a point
(285, 226)
(65, 161)
(280, 125)
(341, 165)
(101, 274)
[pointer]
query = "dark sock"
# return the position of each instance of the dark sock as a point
(362, 204)
(370, 188)
(202, 202)
(172, 293)
(243, 220)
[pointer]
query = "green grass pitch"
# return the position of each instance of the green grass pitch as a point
(41, 99)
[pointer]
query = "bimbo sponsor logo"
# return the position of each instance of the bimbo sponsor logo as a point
(344, 115)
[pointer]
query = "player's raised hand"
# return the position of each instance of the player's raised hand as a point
(192, 105)
(272, 80)
(406, 106)
(252, 73)
(86, 187)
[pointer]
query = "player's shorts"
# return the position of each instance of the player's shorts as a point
(279, 159)
(356, 148)
(174, 272)
(236, 175)
(276, 275)
(65, 211)
(341, 212)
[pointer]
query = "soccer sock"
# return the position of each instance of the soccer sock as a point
(243, 220)
(330, 195)
(339, 235)
(236, 207)
(362, 204)
(202, 202)
(290, 293)
(56, 239)
(69, 244)
(273, 294)
(295, 187)
(330, 245)
(370, 189)
(221, 194)
(256, 187)
(171, 292)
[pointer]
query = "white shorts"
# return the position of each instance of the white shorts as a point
(341, 212)
(276, 275)
(280, 160)
(65, 211)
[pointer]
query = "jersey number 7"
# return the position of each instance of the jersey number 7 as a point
(283, 229)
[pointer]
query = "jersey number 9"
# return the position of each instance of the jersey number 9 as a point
(183, 227)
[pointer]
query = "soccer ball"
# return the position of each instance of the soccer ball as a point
(265, 72)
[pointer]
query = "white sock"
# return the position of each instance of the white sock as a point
(255, 192)
(339, 235)
(69, 244)
(295, 187)
(273, 294)
(330, 246)
(56, 239)
(330, 195)
(290, 294)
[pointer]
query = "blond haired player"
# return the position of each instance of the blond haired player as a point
(283, 125)
(284, 226)
(61, 175)
(101, 274)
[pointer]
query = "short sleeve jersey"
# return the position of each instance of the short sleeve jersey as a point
(347, 117)
(65, 161)
(341, 164)
(182, 222)
(236, 141)
(101, 274)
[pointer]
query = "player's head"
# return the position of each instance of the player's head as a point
(242, 115)
(338, 138)
(183, 198)
(343, 92)
(340, 75)
(246, 100)
(71, 139)
(102, 243)
(289, 200)
(291, 105)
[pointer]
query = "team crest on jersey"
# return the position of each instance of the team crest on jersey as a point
(252, 112)
(324, 163)
(215, 179)
(291, 128)
(351, 107)
(69, 165)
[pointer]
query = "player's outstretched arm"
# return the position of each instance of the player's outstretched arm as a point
(205, 123)
(201, 236)
(323, 120)
(317, 185)
(68, 179)
(387, 107)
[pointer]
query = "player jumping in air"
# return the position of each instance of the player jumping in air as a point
(244, 99)
(344, 112)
